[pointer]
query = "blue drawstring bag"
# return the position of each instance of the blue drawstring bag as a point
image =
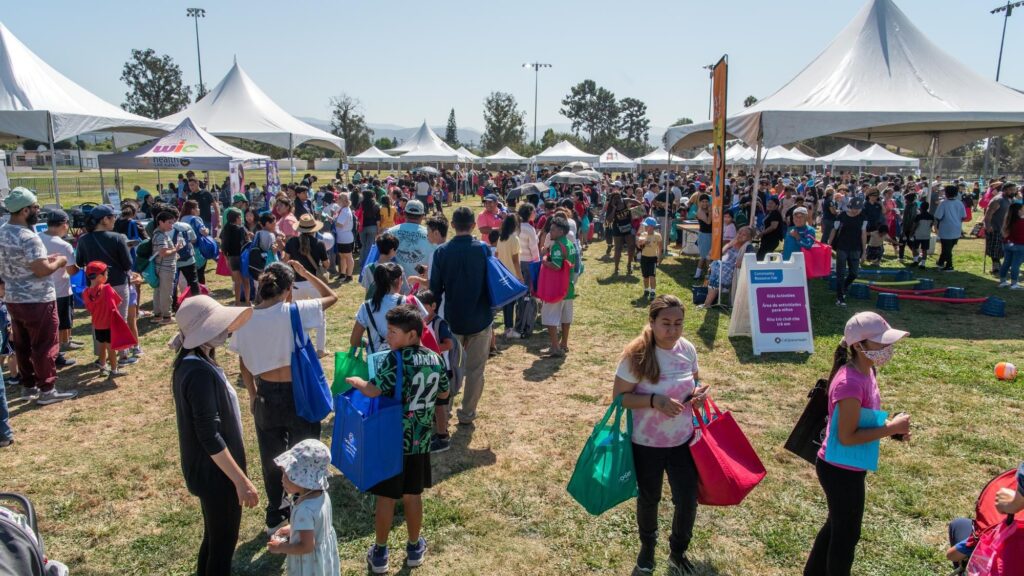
(208, 247)
(309, 384)
(371, 258)
(367, 443)
(502, 286)
(534, 275)
(78, 285)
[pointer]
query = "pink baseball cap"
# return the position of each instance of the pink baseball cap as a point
(870, 326)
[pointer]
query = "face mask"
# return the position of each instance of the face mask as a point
(218, 341)
(880, 357)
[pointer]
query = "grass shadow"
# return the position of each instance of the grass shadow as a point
(618, 279)
(543, 368)
(460, 458)
(708, 329)
(249, 560)
(704, 568)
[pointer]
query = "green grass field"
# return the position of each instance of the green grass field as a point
(104, 470)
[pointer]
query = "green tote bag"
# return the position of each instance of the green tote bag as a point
(605, 475)
(347, 365)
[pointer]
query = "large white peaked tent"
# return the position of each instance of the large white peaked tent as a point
(660, 157)
(238, 108)
(467, 155)
(185, 147)
(878, 156)
(371, 155)
(705, 158)
(613, 159)
(40, 103)
(426, 146)
(505, 156)
(563, 152)
(880, 80)
(845, 156)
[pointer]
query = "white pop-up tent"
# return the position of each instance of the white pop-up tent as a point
(371, 155)
(879, 156)
(660, 157)
(505, 156)
(705, 158)
(40, 103)
(803, 159)
(564, 152)
(426, 146)
(782, 156)
(238, 108)
(185, 147)
(845, 156)
(736, 154)
(883, 80)
(612, 159)
(467, 155)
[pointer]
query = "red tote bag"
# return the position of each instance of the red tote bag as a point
(727, 466)
(553, 285)
(818, 260)
(222, 266)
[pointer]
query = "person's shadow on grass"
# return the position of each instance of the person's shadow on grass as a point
(252, 557)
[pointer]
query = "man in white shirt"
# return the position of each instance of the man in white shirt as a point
(53, 240)
(414, 247)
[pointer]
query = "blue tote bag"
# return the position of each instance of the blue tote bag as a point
(367, 441)
(309, 384)
(502, 285)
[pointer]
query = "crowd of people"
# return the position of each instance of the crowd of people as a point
(425, 306)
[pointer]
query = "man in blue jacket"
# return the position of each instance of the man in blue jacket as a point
(459, 273)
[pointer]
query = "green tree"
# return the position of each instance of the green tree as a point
(348, 122)
(634, 127)
(749, 101)
(154, 84)
(451, 134)
(592, 109)
(504, 123)
(384, 143)
(682, 122)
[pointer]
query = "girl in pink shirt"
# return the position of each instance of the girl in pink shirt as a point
(866, 346)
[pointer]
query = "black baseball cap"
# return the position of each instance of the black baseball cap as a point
(57, 217)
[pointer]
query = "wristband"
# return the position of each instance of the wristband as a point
(652, 400)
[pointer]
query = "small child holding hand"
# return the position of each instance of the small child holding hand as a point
(309, 540)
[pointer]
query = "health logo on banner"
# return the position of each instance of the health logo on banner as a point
(777, 316)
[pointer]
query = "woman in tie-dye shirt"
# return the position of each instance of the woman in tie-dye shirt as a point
(658, 379)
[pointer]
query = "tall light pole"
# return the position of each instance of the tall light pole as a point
(711, 86)
(195, 14)
(1007, 11)
(536, 77)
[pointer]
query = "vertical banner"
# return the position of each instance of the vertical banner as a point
(273, 182)
(236, 175)
(719, 90)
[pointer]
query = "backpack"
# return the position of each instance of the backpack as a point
(207, 247)
(185, 253)
(143, 255)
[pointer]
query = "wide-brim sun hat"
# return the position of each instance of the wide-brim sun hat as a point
(306, 464)
(201, 319)
(309, 225)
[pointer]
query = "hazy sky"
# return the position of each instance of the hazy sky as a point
(409, 61)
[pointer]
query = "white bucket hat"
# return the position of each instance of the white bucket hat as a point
(201, 319)
(306, 464)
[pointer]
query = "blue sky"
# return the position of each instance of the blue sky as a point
(409, 61)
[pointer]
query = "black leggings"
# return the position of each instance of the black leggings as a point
(221, 518)
(651, 466)
(191, 278)
(832, 554)
(946, 255)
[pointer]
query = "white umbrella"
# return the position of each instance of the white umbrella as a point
(577, 165)
(593, 175)
(427, 170)
(568, 178)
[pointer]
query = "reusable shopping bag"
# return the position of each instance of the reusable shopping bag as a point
(999, 551)
(818, 260)
(805, 439)
(347, 365)
(863, 456)
(727, 465)
(222, 265)
(605, 475)
(309, 385)
(553, 285)
(502, 285)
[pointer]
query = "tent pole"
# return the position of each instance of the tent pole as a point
(935, 156)
(291, 161)
(757, 179)
(101, 183)
(667, 208)
(53, 157)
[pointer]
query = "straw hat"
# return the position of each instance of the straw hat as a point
(201, 319)
(309, 225)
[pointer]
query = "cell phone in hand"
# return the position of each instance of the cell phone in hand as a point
(899, 437)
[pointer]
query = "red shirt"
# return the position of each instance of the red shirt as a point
(101, 301)
(1017, 232)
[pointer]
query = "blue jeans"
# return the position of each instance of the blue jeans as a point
(1013, 257)
(844, 259)
(5, 428)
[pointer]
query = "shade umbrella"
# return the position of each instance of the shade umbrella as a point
(568, 178)
(577, 165)
(593, 175)
(427, 170)
(532, 188)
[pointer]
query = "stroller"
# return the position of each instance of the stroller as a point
(21, 546)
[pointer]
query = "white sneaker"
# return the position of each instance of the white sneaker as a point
(511, 333)
(1004, 284)
(1016, 287)
(53, 397)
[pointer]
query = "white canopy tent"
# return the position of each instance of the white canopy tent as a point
(563, 152)
(186, 146)
(705, 158)
(426, 146)
(505, 156)
(736, 154)
(660, 157)
(467, 155)
(238, 108)
(782, 156)
(845, 156)
(880, 80)
(879, 156)
(40, 103)
(805, 160)
(371, 155)
(612, 159)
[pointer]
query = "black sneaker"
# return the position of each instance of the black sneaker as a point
(63, 362)
(644, 560)
(439, 444)
(679, 565)
(841, 301)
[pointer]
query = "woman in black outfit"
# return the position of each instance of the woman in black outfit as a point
(232, 238)
(210, 428)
